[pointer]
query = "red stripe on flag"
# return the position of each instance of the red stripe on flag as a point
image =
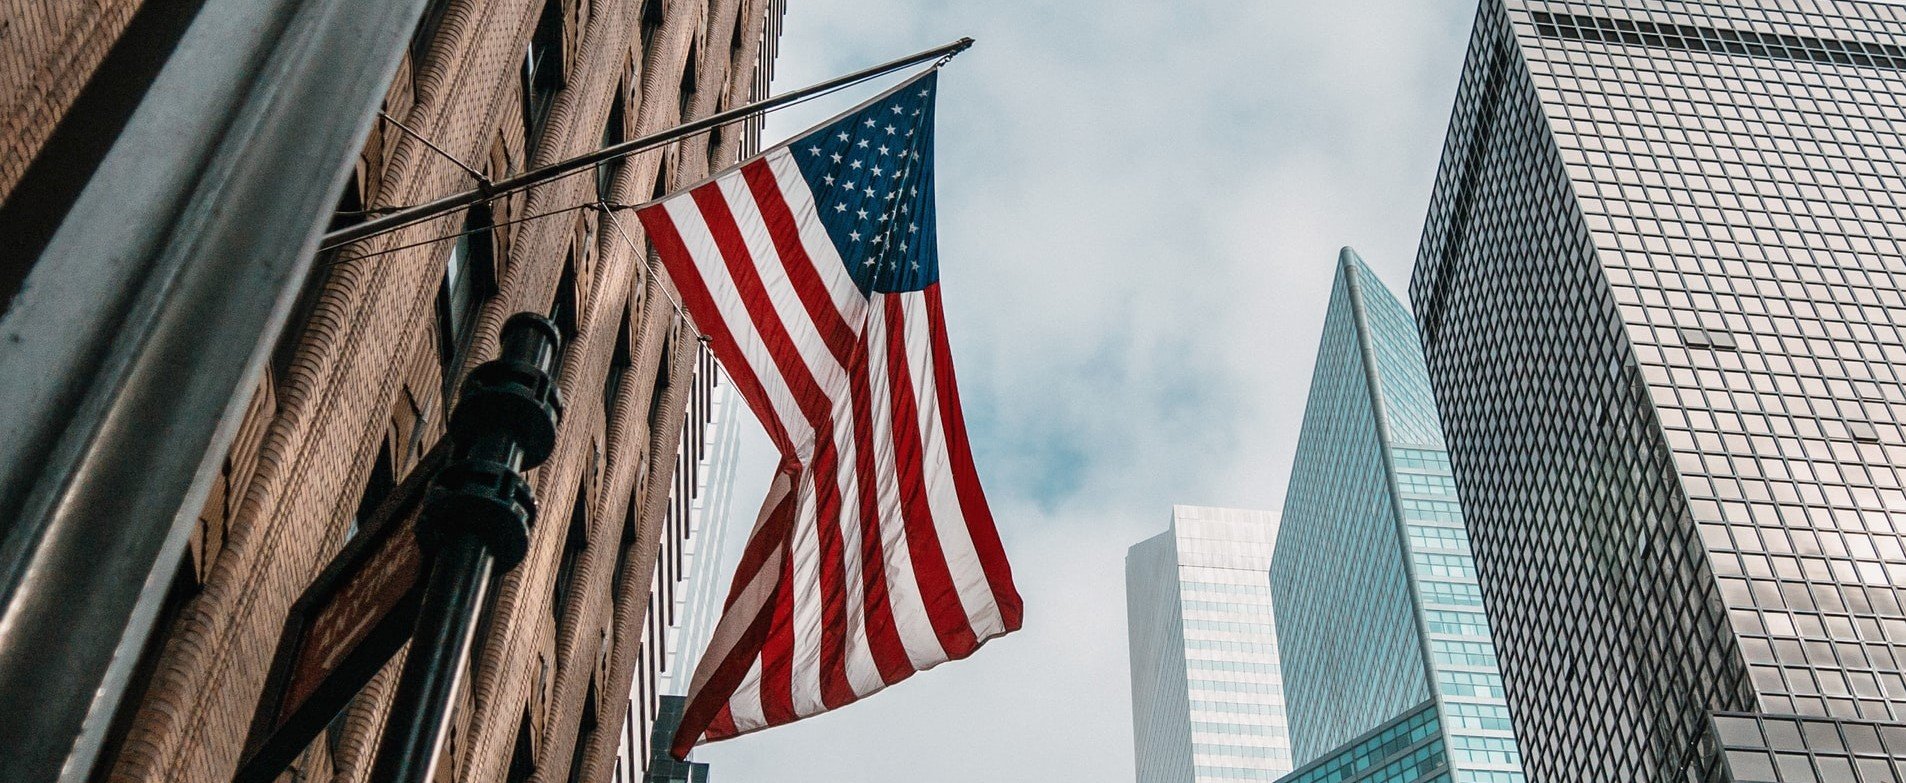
(777, 654)
(701, 306)
(807, 392)
(883, 636)
(942, 599)
(724, 723)
(711, 699)
(786, 234)
(979, 517)
(815, 405)
(835, 689)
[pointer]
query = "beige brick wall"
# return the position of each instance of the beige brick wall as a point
(48, 51)
(364, 367)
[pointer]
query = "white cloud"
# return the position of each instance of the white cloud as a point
(1140, 207)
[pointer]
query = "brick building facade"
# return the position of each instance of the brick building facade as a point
(355, 391)
(48, 51)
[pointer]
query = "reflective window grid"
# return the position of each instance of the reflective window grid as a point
(1409, 748)
(1378, 609)
(1659, 293)
(1207, 697)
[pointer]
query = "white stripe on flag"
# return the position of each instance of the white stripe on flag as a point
(828, 374)
(956, 543)
(805, 674)
(745, 705)
(721, 287)
(909, 609)
(820, 247)
(830, 381)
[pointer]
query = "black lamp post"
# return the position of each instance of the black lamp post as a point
(476, 520)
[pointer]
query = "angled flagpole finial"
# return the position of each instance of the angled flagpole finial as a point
(965, 43)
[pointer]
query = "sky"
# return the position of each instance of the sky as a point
(1140, 207)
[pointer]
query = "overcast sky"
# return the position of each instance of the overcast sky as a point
(1140, 208)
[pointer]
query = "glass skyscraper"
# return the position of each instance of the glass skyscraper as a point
(1207, 701)
(1659, 293)
(684, 591)
(1389, 671)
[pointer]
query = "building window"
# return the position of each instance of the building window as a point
(469, 278)
(573, 546)
(689, 80)
(625, 547)
(651, 21)
(619, 365)
(563, 310)
(543, 75)
(426, 32)
(1697, 337)
(664, 174)
(613, 133)
(523, 756)
(657, 393)
(1863, 432)
(377, 487)
(585, 734)
(350, 211)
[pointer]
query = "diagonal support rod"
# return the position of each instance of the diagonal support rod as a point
(542, 174)
(481, 179)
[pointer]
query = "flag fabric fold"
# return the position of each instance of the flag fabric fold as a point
(813, 271)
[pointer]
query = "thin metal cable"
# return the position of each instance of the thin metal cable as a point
(700, 338)
(421, 243)
(499, 194)
(650, 263)
(478, 175)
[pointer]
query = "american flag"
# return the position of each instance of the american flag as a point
(813, 271)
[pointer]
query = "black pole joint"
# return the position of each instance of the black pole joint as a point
(505, 422)
(475, 521)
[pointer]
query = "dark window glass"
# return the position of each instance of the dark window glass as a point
(350, 210)
(619, 364)
(426, 31)
(689, 80)
(662, 180)
(573, 546)
(468, 279)
(585, 734)
(376, 487)
(625, 547)
(612, 134)
(563, 310)
(661, 387)
(543, 75)
(523, 756)
(651, 21)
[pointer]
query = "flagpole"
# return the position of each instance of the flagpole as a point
(537, 176)
(475, 522)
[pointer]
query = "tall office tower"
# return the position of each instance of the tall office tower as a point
(703, 578)
(1389, 671)
(1207, 704)
(686, 591)
(1659, 296)
(353, 396)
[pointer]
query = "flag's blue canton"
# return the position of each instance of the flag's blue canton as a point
(872, 177)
